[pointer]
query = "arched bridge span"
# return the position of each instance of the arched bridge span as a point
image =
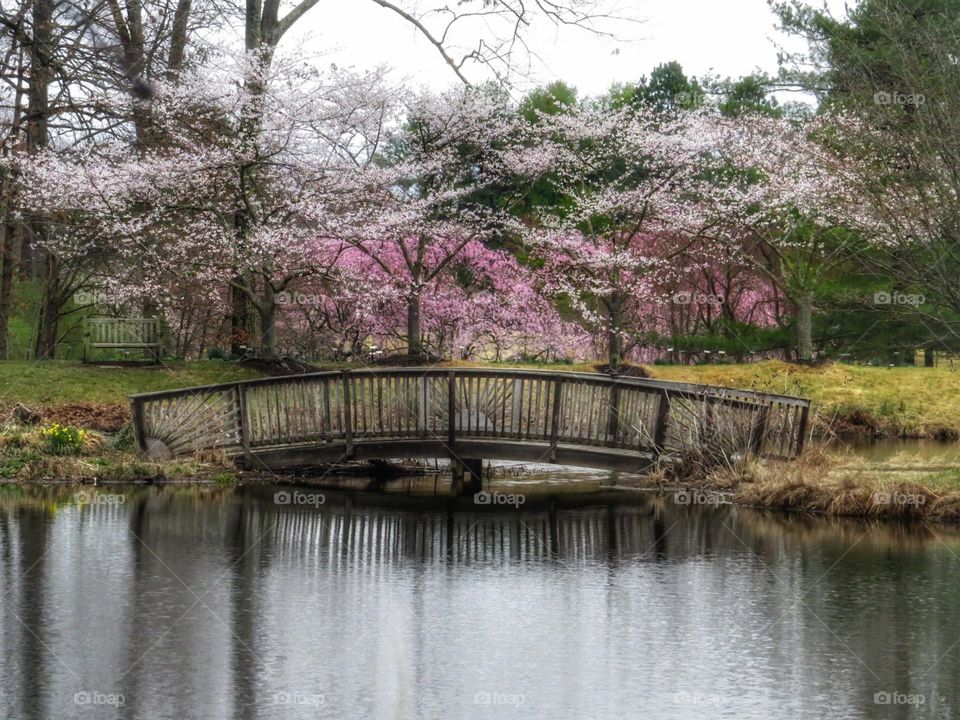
(582, 419)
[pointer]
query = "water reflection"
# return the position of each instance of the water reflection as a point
(190, 603)
(884, 449)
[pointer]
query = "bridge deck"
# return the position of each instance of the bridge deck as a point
(566, 418)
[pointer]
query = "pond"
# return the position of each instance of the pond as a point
(267, 602)
(886, 448)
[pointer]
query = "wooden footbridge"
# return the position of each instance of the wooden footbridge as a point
(582, 419)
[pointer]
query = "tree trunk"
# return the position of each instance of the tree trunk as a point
(414, 343)
(6, 266)
(46, 345)
(38, 111)
(239, 319)
(266, 309)
(6, 283)
(805, 327)
(263, 29)
(149, 309)
(614, 334)
(178, 39)
(267, 312)
(243, 221)
(928, 357)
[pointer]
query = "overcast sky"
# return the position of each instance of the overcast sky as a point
(725, 37)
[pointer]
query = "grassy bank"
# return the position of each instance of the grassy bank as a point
(911, 402)
(849, 399)
(835, 484)
(94, 400)
(51, 452)
(96, 397)
(58, 382)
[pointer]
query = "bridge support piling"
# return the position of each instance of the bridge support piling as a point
(467, 475)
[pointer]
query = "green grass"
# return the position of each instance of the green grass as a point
(908, 401)
(912, 401)
(59, 382)
(225, 478)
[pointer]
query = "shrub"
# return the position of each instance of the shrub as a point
(224, 479)
(124, 440)
(63, 439)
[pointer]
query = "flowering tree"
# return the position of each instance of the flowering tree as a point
(796, 229)
(416, 213)
(484, 304)
(635, 191)
(195, 208)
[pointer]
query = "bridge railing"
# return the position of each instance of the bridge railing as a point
(353, 406)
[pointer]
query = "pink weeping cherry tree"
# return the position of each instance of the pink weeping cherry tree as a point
(482, 305)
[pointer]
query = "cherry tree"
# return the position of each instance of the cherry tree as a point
(804, 203)
(483, 305)
(636, 191)
(417, 212)
(194, 208)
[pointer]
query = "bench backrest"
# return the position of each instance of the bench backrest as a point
(121, 332)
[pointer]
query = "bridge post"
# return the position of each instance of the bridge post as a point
(467, 475)
(660, 427)
(708, 418)
(467, 472)
(139, 423)
(555, 419)
(759, 429)
(613, 422)
(348, 414)
(802, 432)
(451, 411)
(242, 430)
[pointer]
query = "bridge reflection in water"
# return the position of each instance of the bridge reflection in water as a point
(339, 532)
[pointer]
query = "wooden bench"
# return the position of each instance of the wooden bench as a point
(122, 333)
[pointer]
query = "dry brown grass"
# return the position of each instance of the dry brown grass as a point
(840, 484)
